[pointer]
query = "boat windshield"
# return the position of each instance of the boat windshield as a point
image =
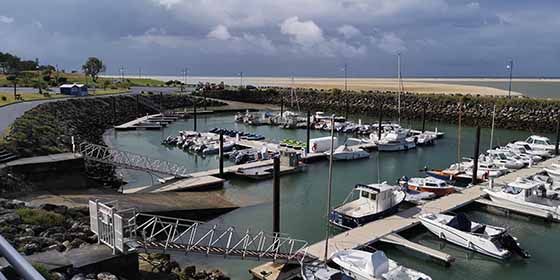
(527, 147)
(512, 190)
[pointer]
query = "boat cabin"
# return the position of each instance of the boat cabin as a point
(526, 190)
(371, 199)
(538, 140)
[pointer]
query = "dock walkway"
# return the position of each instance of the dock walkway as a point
(377, 230)
(41, 159)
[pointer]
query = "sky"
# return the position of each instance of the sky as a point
(442, 38)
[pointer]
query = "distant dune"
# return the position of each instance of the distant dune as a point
(475, 86)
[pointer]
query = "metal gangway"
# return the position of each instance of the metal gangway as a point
(128, 229)
(130, 160)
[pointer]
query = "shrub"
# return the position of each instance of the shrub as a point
(4, 98)
(43, 270)
(39, 217)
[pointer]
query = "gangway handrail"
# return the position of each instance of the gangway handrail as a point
(131, 160)
(18, 262)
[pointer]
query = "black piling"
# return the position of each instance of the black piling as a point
(114, 110)
(281, 105)
(221, 155)
(137, 105)
(307, 148)
(476, 154)
(161, 103)
(276, 195)
(194, 114)
(557, 134)
(380, 120)
(424, 120)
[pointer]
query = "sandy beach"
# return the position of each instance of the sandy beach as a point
(417, 85)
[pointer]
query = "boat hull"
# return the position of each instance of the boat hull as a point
(395, 147)
(436, 191)
(346, 222)
(463, 239)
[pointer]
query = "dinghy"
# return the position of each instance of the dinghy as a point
(367, 203)
(485, 239)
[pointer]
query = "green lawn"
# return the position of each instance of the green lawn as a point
(8, 97)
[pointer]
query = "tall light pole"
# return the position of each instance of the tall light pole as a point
(400, 85)
(345, 78)
(122, 73)
(240, 79)
(510, 68)
(139, 72)
(185, 74)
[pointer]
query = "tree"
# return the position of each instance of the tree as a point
(93, 67)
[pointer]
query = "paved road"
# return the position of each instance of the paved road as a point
(8, 114)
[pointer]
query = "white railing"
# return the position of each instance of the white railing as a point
(130, 160)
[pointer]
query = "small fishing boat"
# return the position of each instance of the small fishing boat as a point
(530, 195)
(486, 239)
(214, 148)
(427, 184)
(346, 152)
(485, 170)
(425, 139)
(367, 203)
(500, 158)
(527, 149)
(362, 265)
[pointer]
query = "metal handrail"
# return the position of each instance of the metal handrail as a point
(18, 262)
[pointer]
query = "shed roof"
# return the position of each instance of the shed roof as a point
(72, 85)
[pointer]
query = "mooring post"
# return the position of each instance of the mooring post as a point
(347, 109)
(137, 105)
(380, 120)
(221, 154)
(161, 103)
(281, 106)
(114, 110)
(276, 195)
(424, 120)
(476, 151)
(557, 134)
(194, 114)
(307, 148)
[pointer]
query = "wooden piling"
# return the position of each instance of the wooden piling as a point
(276, 195)
(475, 157)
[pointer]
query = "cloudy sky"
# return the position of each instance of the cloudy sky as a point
(289, 37)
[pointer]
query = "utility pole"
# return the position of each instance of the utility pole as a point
(510, 68)
(345, 78)
(122, 73)
(399, 82)
(139, 72)
(240, 79)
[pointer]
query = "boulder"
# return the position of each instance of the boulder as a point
(31, 248)
(106, 276)
(79, 276)
(58, 276)
(10, 218)
(60, 209)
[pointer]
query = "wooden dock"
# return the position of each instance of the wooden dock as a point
(387, 227)
(188, 184)
(156, 121)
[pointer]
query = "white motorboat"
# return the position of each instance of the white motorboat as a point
(362, 265)
(425, 139)
(529, 150)
(540, 143)
(486, 239)
(349, 151)
(367, 203)
(500, 158)
(214, 148)
(519, 149)
(486, 169)
(318, 271)
(551, 186)
(396, 140)
(553, 171)
(530, 195)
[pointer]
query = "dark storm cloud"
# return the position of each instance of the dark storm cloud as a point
(301, 37)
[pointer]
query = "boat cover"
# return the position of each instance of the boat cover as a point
(460, 222)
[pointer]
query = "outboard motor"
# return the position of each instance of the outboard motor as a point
(509, 243)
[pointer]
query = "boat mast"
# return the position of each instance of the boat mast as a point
(329, 190)
(399, 86)
(459, 135)
(492, 131)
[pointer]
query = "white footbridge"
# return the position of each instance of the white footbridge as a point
(125, 230)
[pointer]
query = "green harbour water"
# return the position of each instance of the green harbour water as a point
(303, 198)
